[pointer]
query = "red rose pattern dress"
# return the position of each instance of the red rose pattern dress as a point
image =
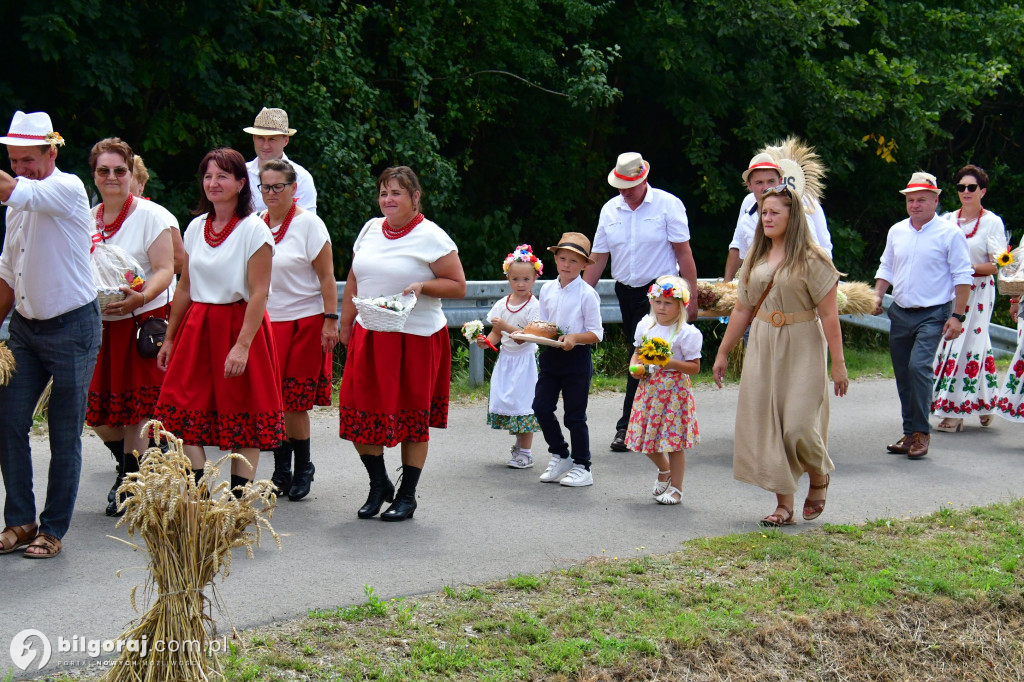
(965, 370)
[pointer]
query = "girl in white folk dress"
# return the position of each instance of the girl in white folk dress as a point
(515, 373)
(663, 421)
(965, 368)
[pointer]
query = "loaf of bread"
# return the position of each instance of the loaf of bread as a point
(542, 328)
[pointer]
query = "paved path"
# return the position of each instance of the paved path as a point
(478, 520)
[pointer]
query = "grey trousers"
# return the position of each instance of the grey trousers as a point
(914, 336)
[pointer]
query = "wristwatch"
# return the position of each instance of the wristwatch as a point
(959, 316)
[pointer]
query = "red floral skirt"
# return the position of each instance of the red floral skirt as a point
(200, 406)
(306, 370)
(125, 386)
(395, 387)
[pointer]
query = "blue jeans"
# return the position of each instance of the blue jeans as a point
(914, 336)
(65, 348)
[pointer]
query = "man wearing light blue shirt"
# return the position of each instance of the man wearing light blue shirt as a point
(927, 263)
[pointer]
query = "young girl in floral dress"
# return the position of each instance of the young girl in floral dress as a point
(663, 423)
(515, 373)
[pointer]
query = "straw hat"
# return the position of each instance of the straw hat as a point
(762, 161)
(31, 130)
(630, 170)
(921, 182)
(271, 122)
(574, 241)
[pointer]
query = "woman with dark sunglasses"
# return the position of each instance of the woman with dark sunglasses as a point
(125, 385)
(965, 369)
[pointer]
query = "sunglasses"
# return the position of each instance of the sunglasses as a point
(120, 171)
(967, 188)
(778, 189)
(276, 189)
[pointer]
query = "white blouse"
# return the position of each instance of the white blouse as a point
(218, 274)
(293, 280)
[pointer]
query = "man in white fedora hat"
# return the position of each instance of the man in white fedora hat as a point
(764, 172)
(645, 232)
(927, 263)
(270, 135)
(55, 330)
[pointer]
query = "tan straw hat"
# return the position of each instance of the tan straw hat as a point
(271, 122)
(762, 161)
(574, 241)
(630, 170)
(921, 182)
(31, 130)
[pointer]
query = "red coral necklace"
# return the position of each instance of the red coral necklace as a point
(976, 222)
(282, 229)
(108, 231)
(215, 239)
(391, 233)
(516, 310)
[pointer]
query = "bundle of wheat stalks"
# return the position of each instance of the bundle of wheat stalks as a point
(715, 299)
(189, 530)
(6, 364)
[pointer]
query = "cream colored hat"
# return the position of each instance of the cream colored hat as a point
(31, 130)
(762, 161)
(271, 122)
(574, 241)
(921, 182)
(630, 170)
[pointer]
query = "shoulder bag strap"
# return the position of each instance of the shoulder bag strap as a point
(764, 294)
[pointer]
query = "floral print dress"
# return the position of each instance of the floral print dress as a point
(965, 380)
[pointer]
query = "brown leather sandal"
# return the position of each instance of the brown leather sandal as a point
(22, 536)
(46, 542)
(815, 507)
(777, 520)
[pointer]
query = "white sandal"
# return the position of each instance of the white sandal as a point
(659, 485)
(666, 497)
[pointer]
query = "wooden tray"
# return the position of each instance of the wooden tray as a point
(542, 340)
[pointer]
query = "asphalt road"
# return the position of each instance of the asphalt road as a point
(479, 520)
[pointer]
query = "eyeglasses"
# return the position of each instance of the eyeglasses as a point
(276, 188)
(120, 171)
(967, 188)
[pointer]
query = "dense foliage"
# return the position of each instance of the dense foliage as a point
(512, 113)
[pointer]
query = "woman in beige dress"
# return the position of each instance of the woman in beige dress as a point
(782, 411)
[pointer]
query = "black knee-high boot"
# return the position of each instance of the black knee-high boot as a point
(237, 483)
(116, 448)
(381, 488)
(282, 478)
(304, 470)
(405, 498)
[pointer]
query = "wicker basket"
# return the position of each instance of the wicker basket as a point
(378, 319)
(108, 296)
(1010, 287)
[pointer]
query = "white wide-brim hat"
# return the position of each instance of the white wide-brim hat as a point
(31, 130)
(271, 122)
(921, 182)
(630, 170)
(762, 161)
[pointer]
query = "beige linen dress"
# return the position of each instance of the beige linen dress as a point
(782, 412)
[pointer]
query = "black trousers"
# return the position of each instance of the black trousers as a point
(633, 304)
(568, 373)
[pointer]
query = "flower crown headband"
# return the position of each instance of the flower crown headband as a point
(523, 254)
(668, 290)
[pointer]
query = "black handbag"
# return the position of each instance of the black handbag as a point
(150, 333)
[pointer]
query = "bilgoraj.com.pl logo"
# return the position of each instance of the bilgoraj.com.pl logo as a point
(31, 646)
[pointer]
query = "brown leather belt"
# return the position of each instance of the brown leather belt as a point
(777, 318)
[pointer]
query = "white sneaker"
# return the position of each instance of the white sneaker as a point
(556, 469)
(578, 477)
(520, 460)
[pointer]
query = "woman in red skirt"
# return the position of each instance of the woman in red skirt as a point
(396, 384)
(125, 385)
(303, 313)
(222, 385)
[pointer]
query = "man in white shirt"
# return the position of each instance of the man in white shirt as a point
(270, 135)
(762, 173)
(55, 330)
(926, 262)
(645, 232)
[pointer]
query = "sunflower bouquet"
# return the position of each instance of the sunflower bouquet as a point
(654, 351)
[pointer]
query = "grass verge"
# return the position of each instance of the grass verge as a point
(937, 597)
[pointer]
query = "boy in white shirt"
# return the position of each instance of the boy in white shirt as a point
(575, 307)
